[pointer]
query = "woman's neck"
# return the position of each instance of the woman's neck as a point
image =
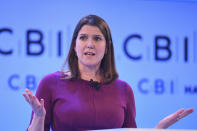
(89, 72)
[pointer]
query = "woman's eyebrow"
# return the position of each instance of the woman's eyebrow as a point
(83, 34)
(98, 35)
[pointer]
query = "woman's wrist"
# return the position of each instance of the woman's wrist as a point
(37, 123)
(159, 127)
(39, 117)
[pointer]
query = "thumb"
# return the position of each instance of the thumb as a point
(42, 103)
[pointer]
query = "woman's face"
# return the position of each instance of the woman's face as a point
(90, 46)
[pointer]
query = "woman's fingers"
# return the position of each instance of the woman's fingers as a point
(28, 91)
(37, 106)
(35, 103)
(186, 112)
(173, 118)
(180, 114)
(176, 115)
(179, 111)
(26, 97)
(32, 100)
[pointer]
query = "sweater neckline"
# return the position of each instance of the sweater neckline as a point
(88, 81)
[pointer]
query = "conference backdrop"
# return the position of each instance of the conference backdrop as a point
(155, 50)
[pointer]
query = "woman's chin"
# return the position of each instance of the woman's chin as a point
(91, 64)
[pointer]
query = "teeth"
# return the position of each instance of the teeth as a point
(89, 53)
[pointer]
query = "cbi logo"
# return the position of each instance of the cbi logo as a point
(163, 48)
(34, 43)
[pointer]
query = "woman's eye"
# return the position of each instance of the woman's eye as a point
(83, 37)
(97, 38)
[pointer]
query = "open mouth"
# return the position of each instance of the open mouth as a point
(89, 53)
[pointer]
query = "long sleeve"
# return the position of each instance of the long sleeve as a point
(130, 112)
(44, 92)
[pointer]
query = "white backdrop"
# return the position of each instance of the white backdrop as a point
(163, 29)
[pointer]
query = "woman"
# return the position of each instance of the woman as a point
(89, 95)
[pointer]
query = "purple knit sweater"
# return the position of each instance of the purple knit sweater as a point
(73, 105)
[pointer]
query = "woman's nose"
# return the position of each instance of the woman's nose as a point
(90, 44)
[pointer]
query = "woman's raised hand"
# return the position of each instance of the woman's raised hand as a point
(173, 118)
(37, 106)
